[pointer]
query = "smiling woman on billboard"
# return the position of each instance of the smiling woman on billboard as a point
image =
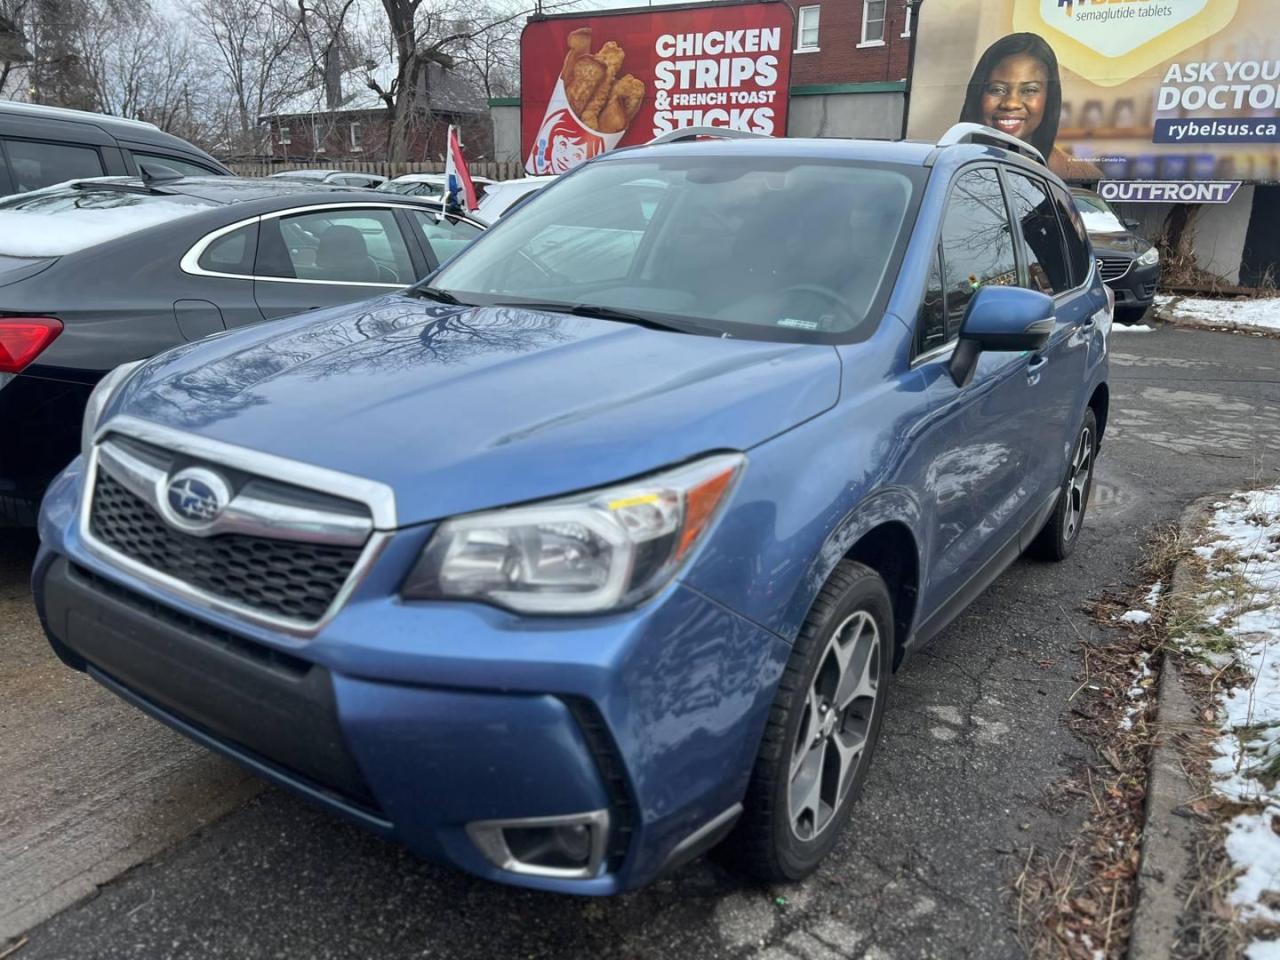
(1016, 89)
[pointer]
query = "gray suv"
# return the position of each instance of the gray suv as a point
(42, 145)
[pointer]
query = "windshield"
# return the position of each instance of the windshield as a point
(62, 219)
(1098, 217)
(749, 246)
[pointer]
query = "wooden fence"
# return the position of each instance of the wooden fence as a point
(494, 171)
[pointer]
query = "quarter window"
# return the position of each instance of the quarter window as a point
(34, 164)
(348, 246)
(1047, 267)
(977, 246)
(933, 311)
(873, 21)
(232, 252)
(807, 28)
(1077, 239)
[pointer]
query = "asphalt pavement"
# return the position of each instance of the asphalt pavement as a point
(974, 741)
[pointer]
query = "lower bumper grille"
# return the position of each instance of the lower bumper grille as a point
(622, 811)
(286, 578)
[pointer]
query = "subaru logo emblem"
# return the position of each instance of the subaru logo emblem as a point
(196, 496)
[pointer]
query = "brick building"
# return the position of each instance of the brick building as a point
(850, 68)
(347, 120)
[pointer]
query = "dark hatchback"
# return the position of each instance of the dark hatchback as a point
(1129, 265)
(97, 273)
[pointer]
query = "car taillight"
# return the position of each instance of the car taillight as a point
(22, 339)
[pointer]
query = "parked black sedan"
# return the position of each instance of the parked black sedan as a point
(95, 273)
(1129, 265)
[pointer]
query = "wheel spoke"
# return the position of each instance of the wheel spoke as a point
(858, 681)
(806, 790)
(849, 746)
(810, 727)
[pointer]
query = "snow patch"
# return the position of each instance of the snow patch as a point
(1243, 552)
(58, 233)
(1135, 616)
(1132, 328)
(1242, 314)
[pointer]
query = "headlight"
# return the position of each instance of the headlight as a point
(99, 399)
(1151, 256)
(588, 553)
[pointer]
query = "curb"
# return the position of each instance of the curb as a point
(1167, 836)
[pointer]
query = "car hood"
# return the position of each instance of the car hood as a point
(459, 409)
(1121, 243)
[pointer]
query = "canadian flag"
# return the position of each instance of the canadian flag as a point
(461, 191)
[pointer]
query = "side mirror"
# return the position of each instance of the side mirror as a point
(1009, 319)
(1133, 225)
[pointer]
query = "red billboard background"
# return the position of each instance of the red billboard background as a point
(589, 84)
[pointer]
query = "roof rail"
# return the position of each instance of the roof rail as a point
(693, 133)
(977, 133)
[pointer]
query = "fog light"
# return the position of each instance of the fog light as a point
(568, 847)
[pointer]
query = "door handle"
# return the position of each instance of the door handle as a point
(1034, 367)
(1089, 324)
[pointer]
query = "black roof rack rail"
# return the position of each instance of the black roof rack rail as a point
(977, 133)
(693, 133)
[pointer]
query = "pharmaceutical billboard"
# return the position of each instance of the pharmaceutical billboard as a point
(1110, 90)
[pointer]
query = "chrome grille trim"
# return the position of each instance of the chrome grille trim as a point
(245, 513)
(379, 498)
(1113, 268)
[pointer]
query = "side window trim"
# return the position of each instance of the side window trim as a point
(190, 262)
(1015, 231)
(424, 261)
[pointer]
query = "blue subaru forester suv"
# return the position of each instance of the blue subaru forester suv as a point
(599, 548)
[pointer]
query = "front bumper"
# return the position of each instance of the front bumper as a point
(1136, 288)
(416, 720)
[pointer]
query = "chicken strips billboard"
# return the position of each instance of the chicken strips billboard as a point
(1146, 95)
(592, 83)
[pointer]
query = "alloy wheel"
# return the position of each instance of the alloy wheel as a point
(1078, 484)
(834, 726)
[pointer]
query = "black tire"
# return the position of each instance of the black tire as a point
(1060, 534)
(763, 843)
(1131, 316)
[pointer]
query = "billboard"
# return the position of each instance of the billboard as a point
(1118, 90)
(589, 84)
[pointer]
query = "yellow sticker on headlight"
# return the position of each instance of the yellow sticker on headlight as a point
(633, 501)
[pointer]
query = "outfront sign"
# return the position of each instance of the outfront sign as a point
(1140, 90)
(592, 83)
(1169, 191)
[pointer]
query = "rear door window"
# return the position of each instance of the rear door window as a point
(36, 163)
(977, 244)
(341, 245)
(1048, 269)
(1078, 248)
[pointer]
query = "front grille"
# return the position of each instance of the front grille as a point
(1113, 268)
(290, 579)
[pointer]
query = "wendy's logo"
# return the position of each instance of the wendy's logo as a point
(563, 143)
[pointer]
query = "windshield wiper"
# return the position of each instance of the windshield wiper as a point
(438, 295)
(601, 312)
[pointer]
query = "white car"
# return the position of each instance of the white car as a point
(430, 185)
(501, 196)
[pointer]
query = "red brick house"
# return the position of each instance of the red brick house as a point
(349, 121)
(851, 67)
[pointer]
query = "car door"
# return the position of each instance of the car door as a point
(1060, 367)
(443, 236)
(975, 445)
(325, 256)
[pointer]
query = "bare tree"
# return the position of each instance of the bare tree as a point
(15, 55)
(261, 60)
